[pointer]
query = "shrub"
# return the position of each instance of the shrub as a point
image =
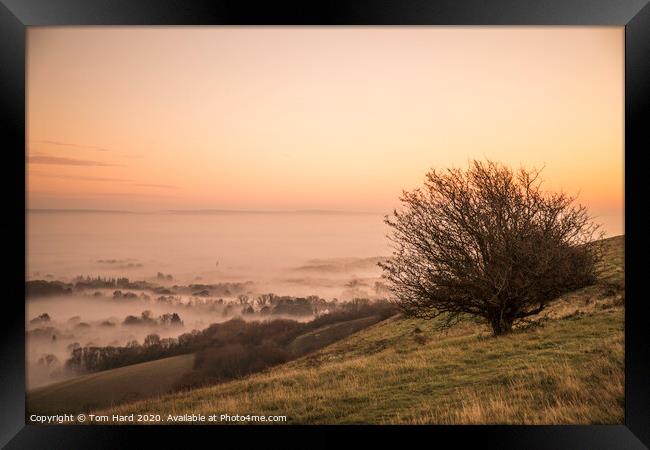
(487, 242)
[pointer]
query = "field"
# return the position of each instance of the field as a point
(565, 368)
(143, 380)
(103, 389)
(328, 334)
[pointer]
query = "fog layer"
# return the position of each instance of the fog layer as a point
(330, 255)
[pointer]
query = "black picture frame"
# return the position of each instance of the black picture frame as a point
(16, 15)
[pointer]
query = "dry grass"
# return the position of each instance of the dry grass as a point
(102, 389)
(568, 368)
(556, 394)
(568, 371)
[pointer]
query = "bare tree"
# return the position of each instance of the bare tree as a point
(152, 340)
(266, 300)
(262, 301)
(487, 242)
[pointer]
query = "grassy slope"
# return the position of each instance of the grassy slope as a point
(115, 386)
(567, 369)
(103, 389)
(329, 334)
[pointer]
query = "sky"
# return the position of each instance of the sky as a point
(286, 118)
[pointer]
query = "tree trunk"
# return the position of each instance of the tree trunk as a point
(500, 325)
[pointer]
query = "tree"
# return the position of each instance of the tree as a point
(262, 301)
(152, 340)
(172, 319)
(45, 317)
(487, 242)
(146, 318)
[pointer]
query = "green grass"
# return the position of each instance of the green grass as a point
(125, 384)
(565, 369)
(612, 266)
(103, 389)
(328, 334)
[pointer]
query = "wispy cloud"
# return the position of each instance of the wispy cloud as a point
(67, 144)
(160, 186)
(77, 177)
(130, 195)
(82, 146)
(61, 161)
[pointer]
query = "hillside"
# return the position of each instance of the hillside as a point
(138, 381)
(329, 334)
(567, 367)
(103, 389)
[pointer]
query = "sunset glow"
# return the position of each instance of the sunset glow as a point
(258, 224)
(292, 118)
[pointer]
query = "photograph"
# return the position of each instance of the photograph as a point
(310, 225)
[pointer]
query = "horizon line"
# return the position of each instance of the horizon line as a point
(202, 211)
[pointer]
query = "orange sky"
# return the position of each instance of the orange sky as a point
(315, 118)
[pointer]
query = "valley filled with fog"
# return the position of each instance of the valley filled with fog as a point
(97, 279)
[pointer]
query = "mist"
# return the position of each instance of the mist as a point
(329, 255)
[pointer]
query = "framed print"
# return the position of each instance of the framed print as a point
(372, 218)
